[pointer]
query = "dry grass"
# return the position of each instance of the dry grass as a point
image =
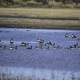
(37, 23)
(39, 12)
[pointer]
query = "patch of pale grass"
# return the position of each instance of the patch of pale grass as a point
(39, 12)
(37, 23)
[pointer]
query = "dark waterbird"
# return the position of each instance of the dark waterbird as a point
(24, 44)
(11, 41)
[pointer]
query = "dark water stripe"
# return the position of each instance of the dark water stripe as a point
(30, 17)
(34, 27)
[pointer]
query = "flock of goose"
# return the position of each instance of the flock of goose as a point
(72, 36)
(40, 43)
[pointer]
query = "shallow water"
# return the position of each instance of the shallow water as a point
(53, 59)
(37, 74)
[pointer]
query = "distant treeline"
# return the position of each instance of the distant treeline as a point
(41, 3)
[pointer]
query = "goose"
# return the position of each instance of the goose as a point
(75, 45)
(40, 40)
(11, 48)
(66, 35)
(11, 41)
(73, 36)
(40, 43)
(48, 44)
(23, 44)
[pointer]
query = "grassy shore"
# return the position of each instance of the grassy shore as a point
(33, 23)
(40, 13)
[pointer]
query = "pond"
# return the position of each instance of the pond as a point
(40, 51)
